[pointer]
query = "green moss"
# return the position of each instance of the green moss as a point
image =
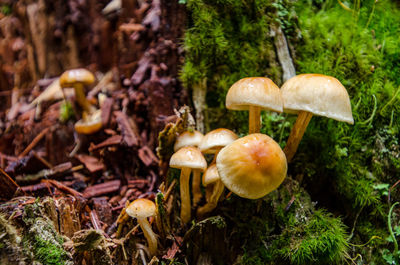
(361, 50)
(285, 228)
(321, 240)
(229, 40)
(42, 239)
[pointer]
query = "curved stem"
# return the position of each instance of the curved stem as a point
(296, 134)
(254, 119)
(215, 157)
(81, 97)
(185, 195)
(196, 187)
(218, 189)
(149, 235)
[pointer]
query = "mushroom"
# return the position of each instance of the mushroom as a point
(91, 118)
(216, 140)
(252, 166)
(187, 158)
(90, 123)
(313, 94)
(211, 143)
(254, 94)
(77, 78)
(141, 209)
(191, 139)
(214, 189)
(188, 139)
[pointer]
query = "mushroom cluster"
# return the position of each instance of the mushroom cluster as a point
(251, 166)
(254, 165)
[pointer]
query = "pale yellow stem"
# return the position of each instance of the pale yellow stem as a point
(296, 134)
(185, 195)
(149, 235)
(81, 98)
(254, 119)
(218, 189)
(196, 186)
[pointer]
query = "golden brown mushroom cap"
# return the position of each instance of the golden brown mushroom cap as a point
(216, 139)
(319, 94)
(81, 75)
(252, 166)
(211, 175)
(188, 157)
(141, 208)
(188, 139)
(254, 91)
(90, 123)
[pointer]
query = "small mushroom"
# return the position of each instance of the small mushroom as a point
(187, 158)
(141, 209)
(252, 166)
(191, 139)
(214, 189)
(78, 78)
(90, 123)
(216, 140)
(254, 94)
(91, 117)
(313, 94)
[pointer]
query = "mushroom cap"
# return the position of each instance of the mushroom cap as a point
(189, 157)
(252, 166)
(80, 75)
(216, 139)
(319, 94)
(141, 208)
(254, 91)
(211, 175)
(90, 123)
(188, 139)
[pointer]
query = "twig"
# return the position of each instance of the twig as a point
(35, 141)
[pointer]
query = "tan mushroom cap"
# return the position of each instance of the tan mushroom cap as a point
(252, 166)
(188, 157)
(319, 94)
(211, 175)
(254, 91)
(80, 75)
(216, 139)
(90, 123)
(141, 208)
(188, 139)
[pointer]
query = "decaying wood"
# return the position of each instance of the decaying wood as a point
(140, 44)
(282, 50)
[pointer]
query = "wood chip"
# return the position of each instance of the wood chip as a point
(113, 140)
(147, 156)
(128, 128)
(90, 162)
(102, 189)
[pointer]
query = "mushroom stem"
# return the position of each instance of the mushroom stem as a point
(254, 119)
(218, 189)
(196, 187)
(296, 134)
(149, 235)
(81, 97)
(215, 157)
(185, 195)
